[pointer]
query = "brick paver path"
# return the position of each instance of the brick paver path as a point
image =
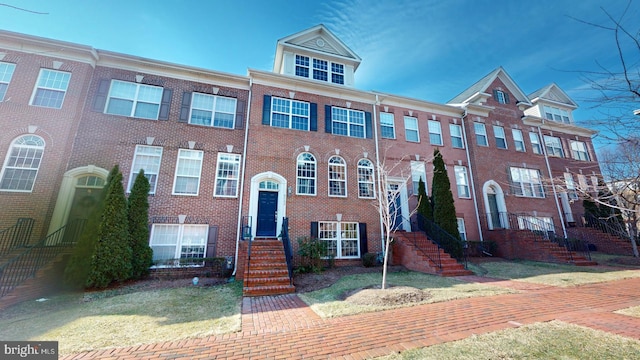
(283, 327)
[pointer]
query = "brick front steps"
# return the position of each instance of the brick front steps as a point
(406, 253)
(266, 273)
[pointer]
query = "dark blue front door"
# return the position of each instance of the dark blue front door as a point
(395, 206)
(267, 213)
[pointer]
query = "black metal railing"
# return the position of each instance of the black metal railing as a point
(16, 235)
(453, 246)
(26, 264)
(288, 251)
(610, 226)
(245, 235)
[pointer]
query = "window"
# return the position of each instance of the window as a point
(347, 122)
(6, 73)
(22, 163)
(579, 150)
(320, 69)
(343, 239)
(302, 66)
(582, 182)
(337, 177)
(555, 114)
(462, 181)
(535, 143)
(365, 179)
(306, 175)
(535, 223)
(553, 145)
(178, 244)
(518, 140)
(456, 136)
(337, 73)
(595, 182)
(501, 96)
(411, 132)
(387, 126)
(481, 134)
(526, 182)
(188, 168)
(227, 175)
(571, 186)
(418, 172)
(290, 114)
(148, 159)
(435, 133)
(134, 100)
(50, 89)
(461, 229)
(211, 110)
(501, 140)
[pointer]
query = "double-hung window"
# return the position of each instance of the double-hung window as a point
(306, 174)
(411, 132)
(212, 110)
(337, 73)
(227, 175)
(188, 169)
(337, 177)
(134, 100)
(290, 114)
(481, 134)
(6, 73)
(22, 163)
(462, 181)
(342, 239)
(535, 143)
(579, 150)
(302, 66)
(320, 70)
(456, 136)
(526, 182)
(435, 133)
(146, 158)
(501, 96)
(418, 171)
(347, 122)
(178, 244)
(518, 140)
(462, 229)
(556, 114)
(365, 179)
(553, 146)
(571, 186)
(582, 182)
(50, 88)
(387, 126)
(501, 140)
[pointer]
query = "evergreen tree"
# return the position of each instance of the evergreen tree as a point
(112, 258)
(610, 214)
(424, 202)
(138, 213)
(590, 209)
(444, 211)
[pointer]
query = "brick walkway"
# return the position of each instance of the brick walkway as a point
(283, 327)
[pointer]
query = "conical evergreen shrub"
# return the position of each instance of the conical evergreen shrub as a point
(138, 213)
(444, 211)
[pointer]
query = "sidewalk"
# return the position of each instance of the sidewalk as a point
(283, 327)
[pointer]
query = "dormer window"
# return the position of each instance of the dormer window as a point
(556, 114)
(302, 66)
(500, 96)
(320, 69)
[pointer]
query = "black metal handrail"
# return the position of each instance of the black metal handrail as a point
(26, 264)
(16, 235)
(453, 246)
(288, 252)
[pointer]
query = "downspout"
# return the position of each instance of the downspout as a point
(473, 186)
(380, 193)
(553, 187)
(242, 171)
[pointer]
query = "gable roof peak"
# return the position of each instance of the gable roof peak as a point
(553, 93)
(481, 86)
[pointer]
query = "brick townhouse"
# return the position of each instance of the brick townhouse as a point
(230, 156)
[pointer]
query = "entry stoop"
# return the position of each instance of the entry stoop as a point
(266, 271)
(415, 251)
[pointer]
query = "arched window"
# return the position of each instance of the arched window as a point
(306, 175)
(366, 187)
(337, 176)
(22, 163)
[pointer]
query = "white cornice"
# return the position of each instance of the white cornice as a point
(557, 126)
(418, 105)
(544, 101)
(48, 47)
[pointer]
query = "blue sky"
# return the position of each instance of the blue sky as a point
(430, 49)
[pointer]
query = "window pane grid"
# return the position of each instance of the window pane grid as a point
(526, 182)
(148, 159)
(535, 143)
(462, 181)
(387, 126)
(6, 73)
(306, 174)
(481, 134)
(343, 239)
(174, 242)
(553, 145)
(501, 140)
(337, 177)
(579, 150)
(365, 179)
(456, 136)
(188, 170)
(290, 114)
(347, 122)
(411, 129)
(227, 175)
(135, 100)
(22, 163)
(435, 133)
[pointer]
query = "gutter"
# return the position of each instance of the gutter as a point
(553, 187)
(380, 192)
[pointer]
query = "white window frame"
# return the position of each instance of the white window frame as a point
(579, 150)
(501, 137)
(6, 73)
(582, 182)
(462, 230)
(135, 99)
(456, 133)
(340, 234)
(500, 97)
(216, 107)
(435, 132)
(462, 181)
(337, 176)
(306, 174)
(188, 155)
(594, 182)
(553, 144)
(571, 186)
(535, 223)
(418, 170)
(24, 156)
(481, 133)
(526, 182)
(410, 127)
(58, 84)
(227, 171)
(182, 240)
(351, 122)
(556, 114)
(387, 122)
(302, 64)
(147, 158)
(518, 140)
(366, 179)
(536, 146)
(292, 110)
(307, 67)
(320, 69)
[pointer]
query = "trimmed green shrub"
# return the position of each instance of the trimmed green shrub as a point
(369, 260)
(138, 214)
(312, 254)
(444, 211)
